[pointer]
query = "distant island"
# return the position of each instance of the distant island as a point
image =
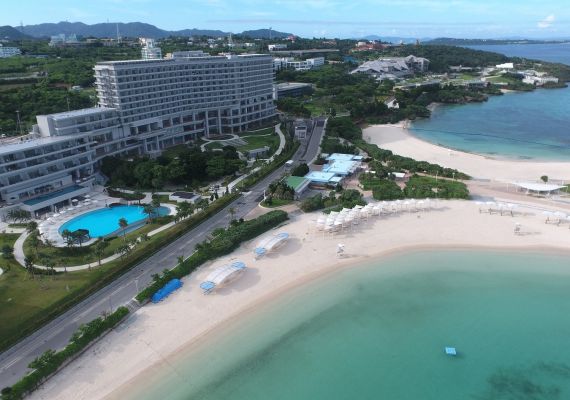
(477, 42)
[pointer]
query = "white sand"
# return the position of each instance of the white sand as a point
(400, 141)
(157, 332)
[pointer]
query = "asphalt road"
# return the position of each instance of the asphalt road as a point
(56, 334)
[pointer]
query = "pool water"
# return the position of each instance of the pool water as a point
(104, 221)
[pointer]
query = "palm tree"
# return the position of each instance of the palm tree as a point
(29, 264)
(148, 209)
(123, 223)
(124, 250)
(31, 226)
(100, 249)
(155, 201)
(180, 259)
(232, 211)
(66, 234)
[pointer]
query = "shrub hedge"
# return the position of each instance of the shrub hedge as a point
(50, 361)
(409, 164)
(223, 243)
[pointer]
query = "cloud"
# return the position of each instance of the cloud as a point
(546, 22)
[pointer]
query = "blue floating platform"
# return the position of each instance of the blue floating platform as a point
(450, 351)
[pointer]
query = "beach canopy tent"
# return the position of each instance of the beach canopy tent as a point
(166, 290)
(222, 276)
(541, 188)
(270, 243)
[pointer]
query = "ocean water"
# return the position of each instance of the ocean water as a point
(559, 53)
(529, 125)
(379, 332)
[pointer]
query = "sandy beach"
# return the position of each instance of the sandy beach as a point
(124, 359)
(399, 140)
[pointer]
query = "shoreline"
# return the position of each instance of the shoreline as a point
(138, 385)
(399, 138)
(158, 335)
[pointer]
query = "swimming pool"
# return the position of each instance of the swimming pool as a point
(104, 221)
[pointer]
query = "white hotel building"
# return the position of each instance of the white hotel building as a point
(145, 106)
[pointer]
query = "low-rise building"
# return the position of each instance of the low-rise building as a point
(393, 68)
(278, 46)
(391, 102)
(64, 40)
(149, 49)
(6, 52)
(298, 65)
(292, 89)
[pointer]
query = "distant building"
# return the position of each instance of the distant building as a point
(64, 40)
(279, 46)
(298, 65)
(248, 45)
(505, 66)
(365, 46)
(149, 50)
(392, 103)
(6, 52)
(185, 197)
(539, 80)
(393, 68)
(292, 89)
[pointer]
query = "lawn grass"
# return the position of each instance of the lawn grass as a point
(174, 151)
(277, 203)
(256, 142)
(70, 256)
(253, 141)
(259, 132)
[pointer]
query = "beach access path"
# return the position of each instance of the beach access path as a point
(55, 335)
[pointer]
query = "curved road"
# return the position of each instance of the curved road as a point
(56, 334)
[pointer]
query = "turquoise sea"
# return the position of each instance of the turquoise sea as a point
(379, 332)
(529, 125)
(552, 52)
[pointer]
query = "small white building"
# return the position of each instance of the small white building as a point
(149, 50)
(6, 52)
(278, 46)
(505, 66)
(392, 103)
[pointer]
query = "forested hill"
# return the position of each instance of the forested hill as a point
(132, 29)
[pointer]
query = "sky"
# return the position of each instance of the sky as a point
(315, 18)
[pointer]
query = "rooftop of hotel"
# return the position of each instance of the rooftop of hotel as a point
(179, 59)
(341, 167)
(11, 147)
(292, 85)
(79, 113)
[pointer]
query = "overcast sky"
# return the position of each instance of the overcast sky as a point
(308, 18)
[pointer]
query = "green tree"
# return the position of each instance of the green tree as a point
(123, 223)
(300, 170)
(31, 226)
(99, 249)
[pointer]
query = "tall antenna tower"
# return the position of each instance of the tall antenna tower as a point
(270, 33)
(21, 26)
(118, 36)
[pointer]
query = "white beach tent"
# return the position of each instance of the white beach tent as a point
(270, 243)
(222, 276)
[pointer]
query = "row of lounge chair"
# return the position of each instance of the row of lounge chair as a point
(348, 217)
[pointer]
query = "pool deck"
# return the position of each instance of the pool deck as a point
(59, 242)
